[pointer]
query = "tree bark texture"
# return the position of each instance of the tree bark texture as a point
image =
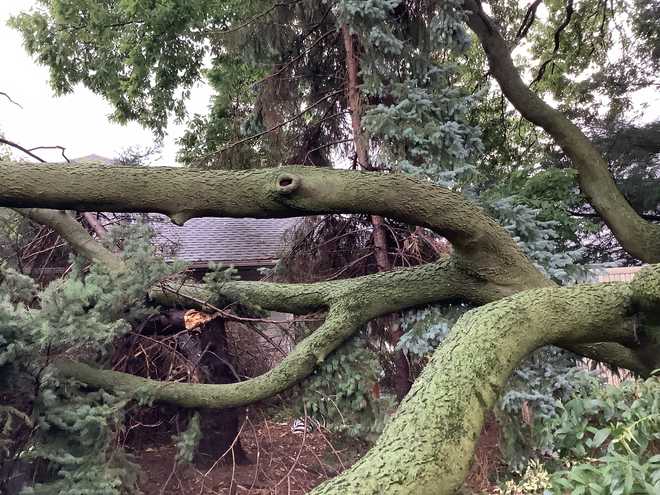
(428, 446)
(481, 245)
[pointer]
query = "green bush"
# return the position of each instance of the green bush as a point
(339, 392)
(610, 441)
(80, 315)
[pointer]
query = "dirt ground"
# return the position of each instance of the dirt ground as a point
(283, 462)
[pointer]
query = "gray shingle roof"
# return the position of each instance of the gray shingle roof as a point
(237, 241)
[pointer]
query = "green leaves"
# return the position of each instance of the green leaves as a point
(614, 474)
(599, 437)
(141, 56)
(601, 441)
(188, 440)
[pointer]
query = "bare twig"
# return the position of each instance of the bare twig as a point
(11, 100)
(256, 441)
(55, 147)
(21, 148)
(29, 151)
(557, 37)
(302, 445)
(326, 145)
(295, 59)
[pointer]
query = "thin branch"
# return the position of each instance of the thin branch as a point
(295, 59)
(29, 151)
(326, 145)
(557, 37)
(530, 17)
(2, 93)
(21, 148)
(250, 20)
(56, 147)
(646, 216)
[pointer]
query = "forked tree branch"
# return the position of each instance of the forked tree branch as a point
(75, 234)
(484, 253)
(428, 446)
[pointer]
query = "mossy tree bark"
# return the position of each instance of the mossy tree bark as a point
(428, 446)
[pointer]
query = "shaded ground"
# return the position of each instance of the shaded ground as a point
(283, 462)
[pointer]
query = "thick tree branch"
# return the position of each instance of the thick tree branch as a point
(298, 364)
(380, 293)
(430, 442)
(59, 220)
(428, 447)
(481, 246)
(485, 255)
(639, 237)
(347, 313)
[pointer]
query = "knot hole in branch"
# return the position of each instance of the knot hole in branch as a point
(287, 183)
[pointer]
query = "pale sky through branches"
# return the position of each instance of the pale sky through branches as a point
(77, 121)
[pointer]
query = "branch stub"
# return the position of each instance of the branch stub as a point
(287, 183)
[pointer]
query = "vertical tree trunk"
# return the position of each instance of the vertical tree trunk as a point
(219, 428)
(205, 347)
(392, 324)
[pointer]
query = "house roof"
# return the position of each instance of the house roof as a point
(94, 158)
(245, 242)
(242, 242)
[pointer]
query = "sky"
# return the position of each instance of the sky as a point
(77, 121)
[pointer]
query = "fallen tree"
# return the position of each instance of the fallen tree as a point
(428, 446)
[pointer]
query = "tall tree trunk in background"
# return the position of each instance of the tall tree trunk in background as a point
(219, 430)
(392, 323)
(95, 224)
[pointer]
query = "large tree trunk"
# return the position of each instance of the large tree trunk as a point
(219, 429)
(201, 339)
